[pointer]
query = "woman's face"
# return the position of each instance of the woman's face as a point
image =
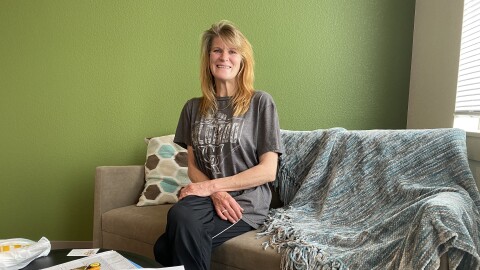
(224, 61)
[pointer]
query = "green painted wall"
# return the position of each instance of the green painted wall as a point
(83, 82)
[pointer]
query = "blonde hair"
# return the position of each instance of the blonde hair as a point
(245, 77)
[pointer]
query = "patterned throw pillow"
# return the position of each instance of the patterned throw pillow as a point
(165, 171)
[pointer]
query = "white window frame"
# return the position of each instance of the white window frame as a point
(467, 104)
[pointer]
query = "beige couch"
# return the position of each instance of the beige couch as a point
(119, 224)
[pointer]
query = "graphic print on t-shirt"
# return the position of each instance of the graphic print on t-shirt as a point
(216, 137)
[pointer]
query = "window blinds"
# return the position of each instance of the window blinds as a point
(468, 86)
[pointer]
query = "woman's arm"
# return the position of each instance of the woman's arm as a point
(260, 174)
(225, 205)
(222, 201)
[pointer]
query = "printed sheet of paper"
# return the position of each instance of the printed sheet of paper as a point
(83, 252)
(167, 268)
(109, 260)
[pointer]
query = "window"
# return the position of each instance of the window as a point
(467, 104)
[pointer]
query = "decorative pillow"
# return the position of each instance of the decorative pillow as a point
(165, 171)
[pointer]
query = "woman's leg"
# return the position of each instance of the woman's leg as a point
(225, 230)
(161, 251)
(193, 230)
(187, 239)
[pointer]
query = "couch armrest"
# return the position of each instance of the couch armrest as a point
(115, 186)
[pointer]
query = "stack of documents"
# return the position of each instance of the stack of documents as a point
(108, 260)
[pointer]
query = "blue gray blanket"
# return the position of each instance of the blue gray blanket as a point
(379, 199)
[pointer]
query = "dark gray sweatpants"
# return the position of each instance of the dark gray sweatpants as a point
(193, 231)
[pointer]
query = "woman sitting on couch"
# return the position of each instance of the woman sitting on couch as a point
(232, 137)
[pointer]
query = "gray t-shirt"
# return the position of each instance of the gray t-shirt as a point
(225, 145)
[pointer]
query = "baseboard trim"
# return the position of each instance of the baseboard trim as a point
(71, 244)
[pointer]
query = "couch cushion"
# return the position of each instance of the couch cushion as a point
(132, 225)
(245, 252)
(118, 242)
(166, 171)
(144, 224)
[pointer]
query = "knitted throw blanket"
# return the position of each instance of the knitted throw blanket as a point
(380, 199)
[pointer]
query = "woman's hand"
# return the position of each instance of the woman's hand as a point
(226, 206)
(201, 189)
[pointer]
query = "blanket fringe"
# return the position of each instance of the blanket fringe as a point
(297, 253)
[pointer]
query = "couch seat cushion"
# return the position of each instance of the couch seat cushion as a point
(147, 223)
(144, 224)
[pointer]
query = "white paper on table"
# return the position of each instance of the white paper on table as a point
(166, 268)
(83, 252)
(109, 260)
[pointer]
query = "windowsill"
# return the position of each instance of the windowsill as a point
(473, 134)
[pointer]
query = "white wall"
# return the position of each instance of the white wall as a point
(435, 57)
(434, 73)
